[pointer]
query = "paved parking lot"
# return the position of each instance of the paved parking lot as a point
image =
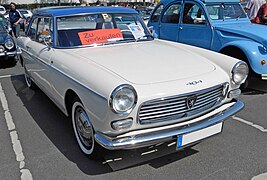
(37, 142)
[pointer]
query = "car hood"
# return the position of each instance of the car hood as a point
(3, 36)
(148, 62)
(247, 30)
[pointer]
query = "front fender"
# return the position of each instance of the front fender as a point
(254, 52)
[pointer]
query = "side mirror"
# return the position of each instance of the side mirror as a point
(46, 39)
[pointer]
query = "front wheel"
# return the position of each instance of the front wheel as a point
(84, 131)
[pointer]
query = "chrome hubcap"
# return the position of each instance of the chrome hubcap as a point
(84, 128)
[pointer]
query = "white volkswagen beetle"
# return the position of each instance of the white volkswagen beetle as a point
(122, 88)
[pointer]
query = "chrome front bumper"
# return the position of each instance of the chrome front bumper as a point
(11, 54)
(169, 132)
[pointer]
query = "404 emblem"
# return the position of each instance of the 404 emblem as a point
(194, 82)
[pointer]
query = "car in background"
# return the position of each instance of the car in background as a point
(8, 48)
(26, 13)
(220, 26)
(144, 11)
(122, 88)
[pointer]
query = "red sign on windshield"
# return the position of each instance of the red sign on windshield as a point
(100, 36)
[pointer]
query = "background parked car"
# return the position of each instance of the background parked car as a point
(221, 26)
(26, 13)
(8, 48)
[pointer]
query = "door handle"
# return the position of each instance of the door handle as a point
(181, 28)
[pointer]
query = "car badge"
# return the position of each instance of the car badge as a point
(194, 82)
(190, 101)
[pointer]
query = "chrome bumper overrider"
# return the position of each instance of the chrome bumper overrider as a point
(264, 76)
(169, 132)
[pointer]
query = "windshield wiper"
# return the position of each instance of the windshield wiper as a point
(146, 35)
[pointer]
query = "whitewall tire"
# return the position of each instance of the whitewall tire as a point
(84, 131)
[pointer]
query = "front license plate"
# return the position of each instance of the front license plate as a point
(185, 139)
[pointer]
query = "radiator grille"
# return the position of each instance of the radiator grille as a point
(181, 106)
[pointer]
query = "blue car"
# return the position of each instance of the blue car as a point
(8, 48)
(217, 25)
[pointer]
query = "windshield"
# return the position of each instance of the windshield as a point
(3, 23)
(225, 11)
(1, 27)
(100, 29)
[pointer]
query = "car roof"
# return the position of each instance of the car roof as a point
(70, 10)
(23, 10)
(221, 1)
(207, 1)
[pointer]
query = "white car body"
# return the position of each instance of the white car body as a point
(26, 13)
(157, 70)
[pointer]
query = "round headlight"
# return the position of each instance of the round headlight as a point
(240, 72)
(9, 44)
(123, 99)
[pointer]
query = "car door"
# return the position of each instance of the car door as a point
(169, 23)
(40, 51)
(195, 28)
(154, 20)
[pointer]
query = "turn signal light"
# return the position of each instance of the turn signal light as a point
(263, 62)
(122, 124)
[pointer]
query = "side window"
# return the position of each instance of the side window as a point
(172, 14)
(213, 11)
(44, 30)
(193, 14)
(32, 30)
(155, 16)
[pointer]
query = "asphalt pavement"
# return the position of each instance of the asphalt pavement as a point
(40, 143)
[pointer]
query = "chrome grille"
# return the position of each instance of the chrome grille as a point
(176, 107)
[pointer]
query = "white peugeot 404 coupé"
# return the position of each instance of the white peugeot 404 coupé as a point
(122, 88)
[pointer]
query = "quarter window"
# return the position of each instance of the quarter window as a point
(172, 14)
(155, 16)
(32, 30)
(44, 30)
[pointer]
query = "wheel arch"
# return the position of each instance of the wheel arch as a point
(21, 60)
(70, 95)
(235, 52)
(238, 53)
(250, 52)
